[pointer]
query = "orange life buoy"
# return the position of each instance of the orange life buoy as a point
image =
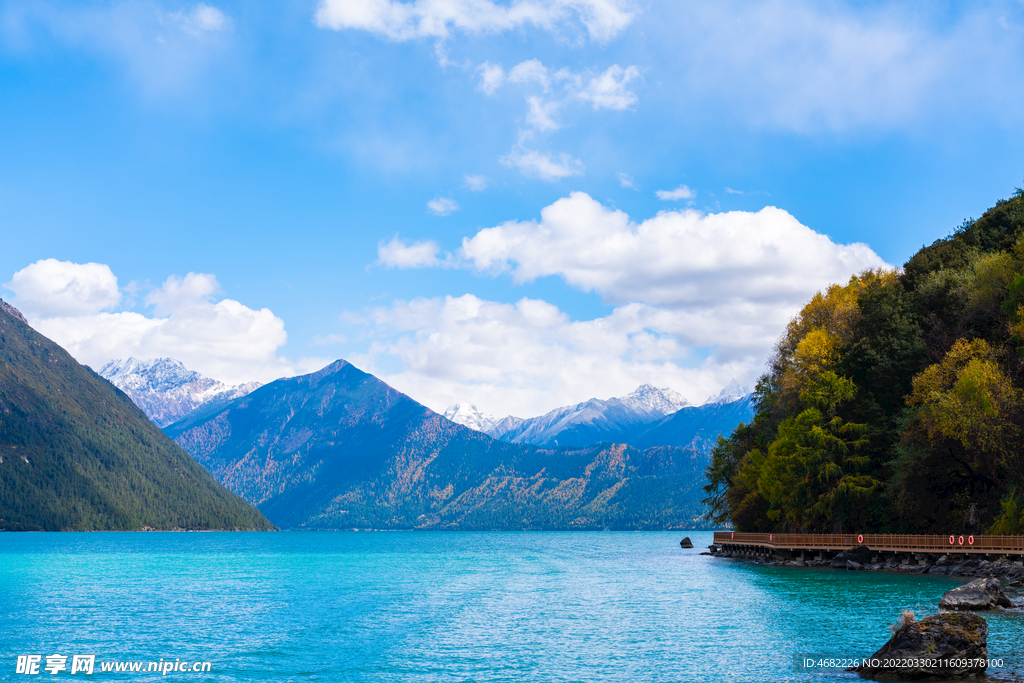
(952, 540)
(970, 539)
(860, 538)
(771, 537)
(733, 535)
(961, 540)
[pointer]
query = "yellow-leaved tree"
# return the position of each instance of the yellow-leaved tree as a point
(968, 399)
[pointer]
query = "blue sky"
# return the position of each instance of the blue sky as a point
(366, 179)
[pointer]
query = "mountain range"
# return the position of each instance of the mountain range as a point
(166, 390)
(645, 418)
(340, 449)
(335, 449)
(77, 454)
(696, 427)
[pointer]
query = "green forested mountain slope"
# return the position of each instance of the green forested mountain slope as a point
(77, 454)
(894, 402)
(340, 449)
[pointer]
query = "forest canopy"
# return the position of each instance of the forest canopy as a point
(893, 403)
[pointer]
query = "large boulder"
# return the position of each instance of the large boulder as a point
(860, 554)
(976, 595)
(940, 647)
(686, 543)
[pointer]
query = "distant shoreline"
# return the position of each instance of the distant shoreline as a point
(950, 565)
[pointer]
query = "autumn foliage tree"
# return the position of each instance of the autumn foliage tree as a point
(894, 402)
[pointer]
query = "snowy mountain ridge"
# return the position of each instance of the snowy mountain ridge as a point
(648, 414)
(581, 424)
(165, 389)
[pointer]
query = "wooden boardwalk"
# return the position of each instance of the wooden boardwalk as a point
(894, 543)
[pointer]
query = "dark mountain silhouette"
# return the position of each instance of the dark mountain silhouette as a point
(76, 453)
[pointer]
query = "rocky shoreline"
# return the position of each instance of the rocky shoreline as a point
(949, 645)
(863, 559)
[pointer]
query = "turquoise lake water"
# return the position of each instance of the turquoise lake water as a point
(445, 606)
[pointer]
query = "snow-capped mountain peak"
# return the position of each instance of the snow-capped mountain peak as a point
(155, 374)
(468, 415)
(665, 401)
(732, 391)
(165, 389)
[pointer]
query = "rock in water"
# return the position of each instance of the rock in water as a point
(922, 650)
(686, 543)
(976, 595)
(860, 554)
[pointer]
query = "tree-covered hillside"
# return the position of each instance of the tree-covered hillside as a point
(893, 403)
(77, 454)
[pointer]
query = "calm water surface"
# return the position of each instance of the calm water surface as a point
(446, 606)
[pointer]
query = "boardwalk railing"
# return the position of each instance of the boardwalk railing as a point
(917, 543)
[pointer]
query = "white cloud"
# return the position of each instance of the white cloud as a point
(681, 192)
(700, 299)
(492, 76)
(530, 71)
(181, 293)
(608, 91)
(442, 206)
(70, 303)
(602, 19)
(201, 19)
(812, 66)
(165, 53)
(625, 180)
(541, 114)
(477, 183)
(543, 166)
(763, 263)
(729, 190)
(529, 357)
(51, 288)
(398, 254)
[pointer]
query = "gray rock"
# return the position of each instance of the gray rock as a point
(979, 594)
(940, 638)
(856, 566)
(860, 554)
(686, 543)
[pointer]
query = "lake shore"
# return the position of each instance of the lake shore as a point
(952, 565)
